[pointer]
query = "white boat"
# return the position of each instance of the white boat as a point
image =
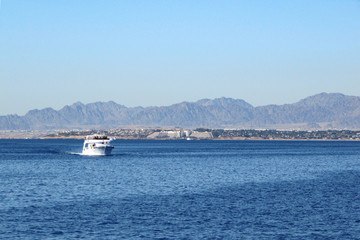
(97, 145)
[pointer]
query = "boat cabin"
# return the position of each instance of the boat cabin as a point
(97, 137)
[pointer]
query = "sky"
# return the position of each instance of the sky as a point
(160, 52)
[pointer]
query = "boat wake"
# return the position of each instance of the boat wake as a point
(87, 155)
(82, 154)
(74, 153)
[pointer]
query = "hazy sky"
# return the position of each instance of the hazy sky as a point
(152, 52)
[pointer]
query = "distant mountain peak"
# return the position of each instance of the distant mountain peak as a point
(326, 99)
(224, 101)
(78, 103)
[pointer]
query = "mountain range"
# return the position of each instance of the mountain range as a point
(321, 111)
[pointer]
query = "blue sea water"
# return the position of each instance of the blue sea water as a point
(180, 190)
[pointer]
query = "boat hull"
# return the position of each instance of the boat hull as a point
(97, 151)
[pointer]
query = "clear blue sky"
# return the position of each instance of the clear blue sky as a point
(152, 52)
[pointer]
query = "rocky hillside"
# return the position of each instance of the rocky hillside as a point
(322, 111)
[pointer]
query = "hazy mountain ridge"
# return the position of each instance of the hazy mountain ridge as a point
(321, 111)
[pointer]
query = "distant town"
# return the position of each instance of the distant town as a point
(193, 134)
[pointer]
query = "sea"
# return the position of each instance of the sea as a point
(178, 189)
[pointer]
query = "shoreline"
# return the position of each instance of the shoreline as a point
(176, 139)
(192, 134)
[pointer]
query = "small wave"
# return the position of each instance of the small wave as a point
(119, 154)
